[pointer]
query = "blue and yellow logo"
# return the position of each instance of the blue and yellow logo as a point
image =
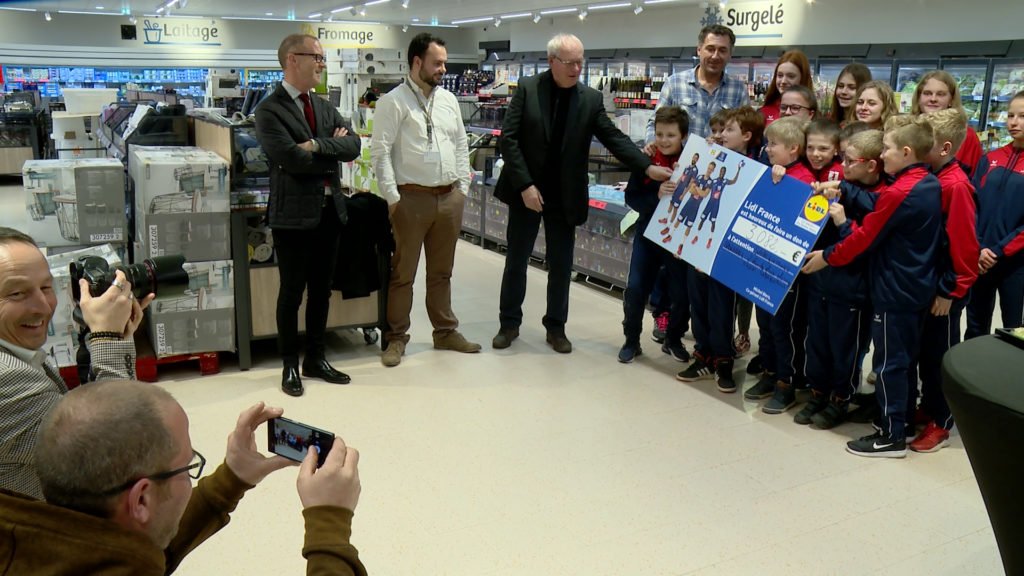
(816, 208)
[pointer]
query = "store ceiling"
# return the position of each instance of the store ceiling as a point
(376, 11)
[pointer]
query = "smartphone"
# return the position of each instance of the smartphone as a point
(292, 440)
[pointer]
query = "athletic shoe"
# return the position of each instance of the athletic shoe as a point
(629, 351)
(696, 371)
(677, 351)
(783, 399)
(831, 416)
(741, 343)
(755, 365)
(679, 252)
(764, 388)
(878, 445)
(663, 220)
(666, 231)
(660, 326)
(817, 403)
(666, 239)
(723, 376)
(931, 439)
(694, 241)
(709, 244)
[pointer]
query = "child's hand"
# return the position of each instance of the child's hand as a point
(829, 190)
(986, 260)
(838, 214)
(778, 171)
(667, 188)
(814, 261)
(941, 306)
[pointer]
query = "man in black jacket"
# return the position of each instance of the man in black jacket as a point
(546, 139)
(304, 139)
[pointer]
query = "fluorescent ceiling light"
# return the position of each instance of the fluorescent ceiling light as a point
(435, 25)
(649, 2)
(558, 11)
(18, 9)
(375, 2)
(315, 15)
(606, 6)
(519, 15)
(86, 12)
(160, 10)
(471, 20)
(170, 3)
(267, 19)
(342, 9)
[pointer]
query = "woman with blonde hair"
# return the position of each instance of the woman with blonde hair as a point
(875, 103)
(938, 90)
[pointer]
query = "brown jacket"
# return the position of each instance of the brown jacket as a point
(41, 539)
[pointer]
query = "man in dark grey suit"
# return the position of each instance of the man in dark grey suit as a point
(304, 139)
(546, 139)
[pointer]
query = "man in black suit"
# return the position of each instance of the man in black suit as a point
(304, 139)
(546, 139)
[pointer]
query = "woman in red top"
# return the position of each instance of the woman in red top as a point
(852, 77)
(792, 69)
(937, 90)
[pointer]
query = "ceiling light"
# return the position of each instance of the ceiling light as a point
(513, 16)
(405, 28)
(375, 2)
(607, 6)
(160, 10)
(342, 9)
(497, 22)
(315, 15)
(362, 11)
(536, 18)
(405, 3)
(558, 11)
(269, 14)
(88, 12)
(170, 3)
(583, 15)
(471, 20)
(658, 1)
(99, 7)
(18, 9)
(133, 19)
(638, 9)
(415, 19)
(47, 16)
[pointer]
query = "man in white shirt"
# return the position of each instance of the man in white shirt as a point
(421, 160)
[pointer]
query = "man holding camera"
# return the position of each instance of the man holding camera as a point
(115, 460)
(30, 386)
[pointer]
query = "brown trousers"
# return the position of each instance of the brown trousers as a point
(431, 223)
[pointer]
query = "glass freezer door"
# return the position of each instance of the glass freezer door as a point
(970, 79)
(908, 74)
(1007, 80)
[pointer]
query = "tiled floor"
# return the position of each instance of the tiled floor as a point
(524, 461)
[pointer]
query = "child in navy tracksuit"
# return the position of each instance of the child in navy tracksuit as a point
(671, 124)
(713, 304)
(837, 307)
(902, 238)
(1000, 184)
(958, 270)
(782, 335)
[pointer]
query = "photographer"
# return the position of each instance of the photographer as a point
(30, 385)
(115, 460)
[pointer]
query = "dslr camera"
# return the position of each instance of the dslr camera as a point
(146, 278)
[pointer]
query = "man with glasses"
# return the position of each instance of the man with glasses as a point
(30, 385)
(545, 141)
(116, 463)
(304, 138)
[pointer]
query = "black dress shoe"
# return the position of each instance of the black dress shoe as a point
(290, 381)
(324, 371)
(559, 342)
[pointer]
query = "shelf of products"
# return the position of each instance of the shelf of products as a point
(1007, 80)
(21, 138)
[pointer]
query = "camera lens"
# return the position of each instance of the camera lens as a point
(154, 274)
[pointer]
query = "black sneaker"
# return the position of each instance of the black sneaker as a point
(783, 399)
(677, 351)
(831, 416)
(878, 445)
(816, 404)
(755, 366)
(762, 389)
(723, 375)
(865, 413)
(696, 371)
(629, 351)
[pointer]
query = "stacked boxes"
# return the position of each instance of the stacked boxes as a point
(75, 202)
(182, 203)
(183, 207)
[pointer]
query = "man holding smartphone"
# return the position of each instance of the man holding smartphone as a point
(115, 459)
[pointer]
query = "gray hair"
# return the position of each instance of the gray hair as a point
(12, 236)
(560, 41)
(100, 436)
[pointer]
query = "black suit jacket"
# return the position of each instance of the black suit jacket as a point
(297, 177)
(526, 134)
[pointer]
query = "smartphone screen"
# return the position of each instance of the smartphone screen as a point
(292, 440)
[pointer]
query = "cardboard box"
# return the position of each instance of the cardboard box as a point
(62, 336)
(174, 180)
(75, 202)
(199, 317)
(196, 236)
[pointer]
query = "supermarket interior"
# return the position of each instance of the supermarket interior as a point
(128, 134)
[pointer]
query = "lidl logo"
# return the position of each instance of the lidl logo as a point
(816, 208)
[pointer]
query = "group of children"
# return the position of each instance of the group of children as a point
(911, 243)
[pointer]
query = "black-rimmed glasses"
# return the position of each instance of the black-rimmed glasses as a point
(194, 470)
(318, 58)
(795, 108)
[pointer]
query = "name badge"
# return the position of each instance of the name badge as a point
(432, 157)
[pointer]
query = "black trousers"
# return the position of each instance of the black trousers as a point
(305, 262)
(560, 237)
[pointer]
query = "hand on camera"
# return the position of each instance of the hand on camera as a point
(336, 483)
(116, 310)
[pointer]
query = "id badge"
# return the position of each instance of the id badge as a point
(432, 157)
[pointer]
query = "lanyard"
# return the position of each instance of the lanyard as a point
(427, 114)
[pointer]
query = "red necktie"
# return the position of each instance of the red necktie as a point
(307, 108)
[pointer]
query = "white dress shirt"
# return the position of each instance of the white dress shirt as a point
(400, 141)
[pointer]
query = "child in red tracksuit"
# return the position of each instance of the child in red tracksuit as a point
(782, 335)
(958, 270)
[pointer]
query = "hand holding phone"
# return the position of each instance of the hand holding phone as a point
(293, 440)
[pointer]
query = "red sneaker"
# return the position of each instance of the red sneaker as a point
(709, 244)
(694, 241)
(679, 252)
(663, 220)
(665, 231)
(666, 239)
(930, 439)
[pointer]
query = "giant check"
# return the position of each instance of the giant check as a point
(728, 218)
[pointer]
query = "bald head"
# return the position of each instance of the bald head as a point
(101, 435)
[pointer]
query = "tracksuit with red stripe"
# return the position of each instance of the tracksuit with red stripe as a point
(958, 270)
(781, 343)
(1000, 185)
(901, 239)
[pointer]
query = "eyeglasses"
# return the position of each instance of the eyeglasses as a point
(571, 63)
(852, 161)
(194, 469)
(318, 58)
(793, 108)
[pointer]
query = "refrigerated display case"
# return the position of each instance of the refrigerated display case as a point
(908, 74)
(1007, 80)
(529, 69)
(763, 73)
(970, 76)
